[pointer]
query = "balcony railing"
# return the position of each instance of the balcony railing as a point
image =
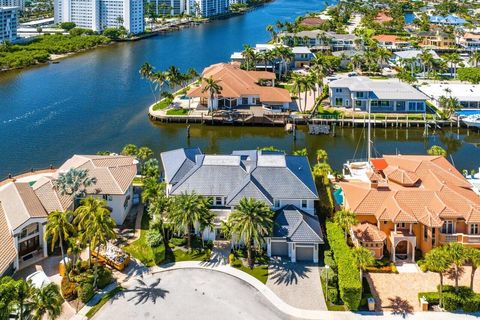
(460, 237)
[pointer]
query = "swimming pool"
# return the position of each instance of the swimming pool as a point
(338, 196)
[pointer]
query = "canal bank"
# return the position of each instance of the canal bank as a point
(96, 101)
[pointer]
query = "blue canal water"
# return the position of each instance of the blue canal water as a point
(96, 101)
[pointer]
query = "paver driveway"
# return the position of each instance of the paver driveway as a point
(298, 284)
(189, 294)
(388, 288)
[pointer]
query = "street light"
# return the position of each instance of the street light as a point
(326, 282)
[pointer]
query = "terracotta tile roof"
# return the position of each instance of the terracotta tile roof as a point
(50, 198)
(423, 189)
(236, 83)
(382, 17)
(367, 232)
(312, 21)
(387, 38)
(7, 247)
(114, 173)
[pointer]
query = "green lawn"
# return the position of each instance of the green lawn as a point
(102, 301)
(259, 272)
(194, 255)
(140, 250)
(162, 104)
(177, 112)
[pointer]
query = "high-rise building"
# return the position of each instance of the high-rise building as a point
(209, 8)
(100, 14)
(8, 23)
(172, 7)
(13, 3)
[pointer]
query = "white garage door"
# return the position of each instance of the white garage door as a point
(279, 248)
(304, 253)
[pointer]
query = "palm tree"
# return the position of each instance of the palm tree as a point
(426, 58)
(345, 219)
(322, 156)
(186, 211)
(437, 151)
(452, 59)
(48, 301)
(152, 189)
(436, 260)
(129, 150)
(297, 85)
(99, 228)
(146, 72)
(159, 78)
(88, 210)
(457, 255)
(248, 54)
(272, 32)
(143, 154)
(475, 58)
(383, 55)
(24, 292)
(157, 210)
(173, 76)
(321, 170)
(356, 61)
(309, 84)
(213, 87)
(473, 255)
(59, 228)
(251, 221)
(363, 259)
(74, 182)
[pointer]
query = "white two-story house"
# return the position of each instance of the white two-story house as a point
(381, 95)
(282, 181)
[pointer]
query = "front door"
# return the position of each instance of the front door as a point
(28, 246)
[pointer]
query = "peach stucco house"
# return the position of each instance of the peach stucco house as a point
(404, 203)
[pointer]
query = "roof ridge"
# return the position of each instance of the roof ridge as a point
(303, 183)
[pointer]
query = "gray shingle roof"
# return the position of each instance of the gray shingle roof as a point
(178, 162)
(296, 225)
(261, 175)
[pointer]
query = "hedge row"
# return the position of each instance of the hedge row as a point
(348, 273)
(464, 299)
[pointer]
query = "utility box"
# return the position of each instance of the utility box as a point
(423, 304)
(371, 304)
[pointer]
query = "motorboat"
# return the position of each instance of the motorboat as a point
(472, 120)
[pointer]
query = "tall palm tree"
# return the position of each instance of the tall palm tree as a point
(173, 76)
(157, 209)
(436, 260)
(473, 255)
(297, 86)
(99, 228)
(363, 259)
(251, 221)
(59, 228)
(248, 54)
(345, 219)
(383, 55)
(47, 301)
(74, 182)
(146, 72)
(475, 58)
(90, 208)
(187, 210)
(321, 170)
(457, 255)
(24, 292)
(426, 58)
(152, 189)
(309, 84)
(214, 89)
(272, 32)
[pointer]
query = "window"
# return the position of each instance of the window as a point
(474, 228)
(400, 105)
(360, 95)
(107, 197)
(401, 225)
(218, 201)
(425, 233)
(447, 227)
(276, 203)
(245, 100)
(338, 101)
(304, 204)
(338, 90)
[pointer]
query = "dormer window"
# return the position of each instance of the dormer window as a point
(219, 201)
(304, 204)
(276, 203)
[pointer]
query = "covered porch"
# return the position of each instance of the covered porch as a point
(30, 244)
(404, 243)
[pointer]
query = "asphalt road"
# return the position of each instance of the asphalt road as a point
(189, 294)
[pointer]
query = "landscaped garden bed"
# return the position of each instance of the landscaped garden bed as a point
(237, 259)
(453, 300)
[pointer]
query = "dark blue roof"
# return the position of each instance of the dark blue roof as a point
(297, 226)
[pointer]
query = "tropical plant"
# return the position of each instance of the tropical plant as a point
(129, 150)
(47, 301)
(186, 210)
(345, 219)
(59, 228)
(363, 259)
(457, 255)
(475, 58)
(146, 71)
(473, 257)
(152, 189)
(250, 222)
(437, 151)
(300, 152)
(436, 260)
(297, 86)
(322, 156)
(151, 169)
(74, 182)
(144, 153)
(322, 170)
(249, 55)
(213, 87)
(24, 292)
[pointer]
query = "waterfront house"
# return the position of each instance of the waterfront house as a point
(406, 203)
(391, 42)
(382, 95)
(450, 20)
(382, 17)
(284, 182)
(241, 88)
(469, 41)
(435, 39)
(468, 95)
(27, 199)
(399, 58)
(320, 40)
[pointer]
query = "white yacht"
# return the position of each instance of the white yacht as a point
(472, 120)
